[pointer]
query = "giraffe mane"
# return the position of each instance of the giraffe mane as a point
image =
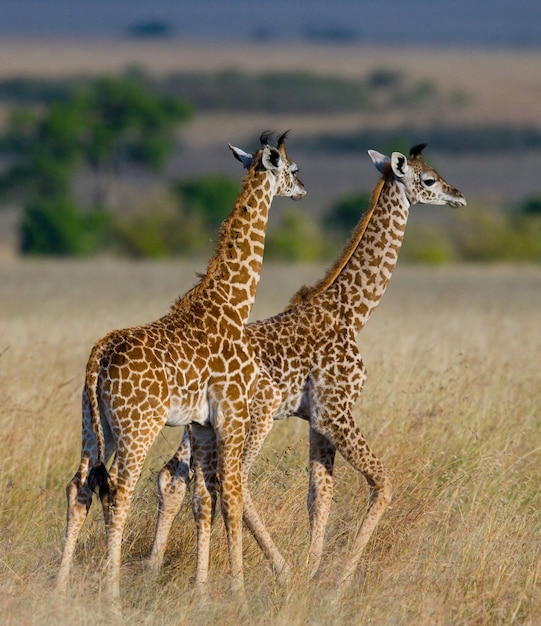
(220, 250)
(306, 293)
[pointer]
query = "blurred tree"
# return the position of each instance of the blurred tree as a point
(531, 206)
(344, 215)
(56, 227)
(101, 127)
(296, 238)
(488, 235)
(125, 124)
(209, 197)
(160, 227)
(41, 154)
(384, 78)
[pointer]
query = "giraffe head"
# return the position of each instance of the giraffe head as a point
(421, 183)
(274, 160)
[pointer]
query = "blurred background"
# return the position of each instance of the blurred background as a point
(115, 117)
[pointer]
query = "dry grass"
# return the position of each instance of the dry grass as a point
(452, 405)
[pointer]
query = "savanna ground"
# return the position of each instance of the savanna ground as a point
(452, 405)
(452, 402)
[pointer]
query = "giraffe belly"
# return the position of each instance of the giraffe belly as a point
(183, 411)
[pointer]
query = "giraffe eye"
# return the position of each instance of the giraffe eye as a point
(429, 182)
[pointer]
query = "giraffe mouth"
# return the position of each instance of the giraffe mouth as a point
(457, 202)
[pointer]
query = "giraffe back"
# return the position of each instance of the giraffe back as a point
(306, 293)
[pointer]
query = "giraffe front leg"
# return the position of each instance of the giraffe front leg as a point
(230, 441)
(320, 491)
(204, 496)
(173, 480)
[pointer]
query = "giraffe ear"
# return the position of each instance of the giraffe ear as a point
(244, 157)
(379, 160)
(399, 163)
(271, 159)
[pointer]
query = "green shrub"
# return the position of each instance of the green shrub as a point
(210, 198)
(482, 234)
(346, 212)
(531, 206)
(426, 244)
(161, 227)
(57, 227)
(296, 238)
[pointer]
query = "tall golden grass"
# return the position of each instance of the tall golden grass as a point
(452, 405)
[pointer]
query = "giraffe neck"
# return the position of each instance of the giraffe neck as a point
(361, 283)
(233, 272)
(355, 284)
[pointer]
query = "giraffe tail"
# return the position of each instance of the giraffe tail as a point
(98, 475)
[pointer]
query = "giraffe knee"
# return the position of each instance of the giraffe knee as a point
(381, 488)
(164, 479)
(171, 478)
(78, 494)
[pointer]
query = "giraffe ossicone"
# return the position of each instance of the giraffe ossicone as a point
(311, 366)
(193, 365)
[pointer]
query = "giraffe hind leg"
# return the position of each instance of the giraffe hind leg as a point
(79, 497)
(123, 476)
(79, 493)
